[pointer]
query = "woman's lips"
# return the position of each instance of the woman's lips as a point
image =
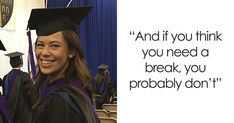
(46, 63)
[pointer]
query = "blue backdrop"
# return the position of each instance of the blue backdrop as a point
(98, 32)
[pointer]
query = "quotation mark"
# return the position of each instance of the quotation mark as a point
(132, 33)
(215, 79)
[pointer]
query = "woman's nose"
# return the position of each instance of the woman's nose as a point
(46, 51)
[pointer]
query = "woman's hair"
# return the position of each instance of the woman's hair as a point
(77, 68)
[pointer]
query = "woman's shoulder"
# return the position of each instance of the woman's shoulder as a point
(69, 96)
(62, 95)
(77, 101)
(55, 110)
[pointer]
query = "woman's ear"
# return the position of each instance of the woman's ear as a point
(71, 54)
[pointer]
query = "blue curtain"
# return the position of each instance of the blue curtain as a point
(98, 32)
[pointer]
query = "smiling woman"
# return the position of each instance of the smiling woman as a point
(52, 55)
(61, 85)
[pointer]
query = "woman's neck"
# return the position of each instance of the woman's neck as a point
(51, 79)
(58, 75)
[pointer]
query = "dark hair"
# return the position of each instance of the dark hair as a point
(77, 67)
(16, 61)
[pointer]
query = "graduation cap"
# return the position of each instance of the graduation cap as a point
(15, 58)
(47, 21)
(2, 46)
(103, 67)
(14, 54)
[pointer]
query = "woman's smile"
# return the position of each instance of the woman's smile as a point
(46, 63)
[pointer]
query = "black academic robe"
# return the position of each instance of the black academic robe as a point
(1, 82)
(5, 116)
(16, 95)
(61, 105)
(105, 89)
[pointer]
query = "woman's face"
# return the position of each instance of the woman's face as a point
(52, 55)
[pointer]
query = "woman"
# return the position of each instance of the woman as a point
(62, 80)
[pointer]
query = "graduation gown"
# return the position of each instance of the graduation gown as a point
(105, 89)
(61, 105)
(1, 82)
(5, 116)
(16, 97)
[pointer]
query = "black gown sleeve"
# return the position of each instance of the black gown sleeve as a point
(18, 100)
(5, 116)
(27, 89)
(58, 111)
(1, 82)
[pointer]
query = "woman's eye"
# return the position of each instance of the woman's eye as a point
(54, 45)
(39, 45)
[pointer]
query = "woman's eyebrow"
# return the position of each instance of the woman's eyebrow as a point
(39, 41)
(54, 42)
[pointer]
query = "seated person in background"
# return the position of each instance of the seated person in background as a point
(103, 86)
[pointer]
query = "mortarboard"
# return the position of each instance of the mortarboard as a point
(103, 67)
(2, 46)
(14, 56)
(47, 21)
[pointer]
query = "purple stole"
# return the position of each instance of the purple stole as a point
(4, 112)
(9, 84)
